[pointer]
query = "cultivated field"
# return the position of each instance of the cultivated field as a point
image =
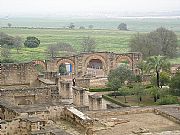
(107, 39)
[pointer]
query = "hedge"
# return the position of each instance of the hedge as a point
(99, 89)
(114, 101)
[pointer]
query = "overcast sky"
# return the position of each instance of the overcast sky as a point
(45, 7)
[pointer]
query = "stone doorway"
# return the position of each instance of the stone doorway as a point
(65, 68)
(95, 67)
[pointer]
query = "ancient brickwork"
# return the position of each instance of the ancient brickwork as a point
(78, 96)
(27, 96)
(65, 89)
(95, 102)
(17, 74)
(80, 62)
(75, 116)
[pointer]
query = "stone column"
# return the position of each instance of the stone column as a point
(95, 102)
(78, 96)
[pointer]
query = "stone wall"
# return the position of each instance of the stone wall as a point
(65, 88)
(10, 127)
(78, 96)
(17, 74)
(80, 119)
(7, 113)
(83, 82)
(171, 113)
(28, 95)
(80, 62)
(21, 126)
(95, 102)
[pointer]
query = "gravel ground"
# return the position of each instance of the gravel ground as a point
(147, 121)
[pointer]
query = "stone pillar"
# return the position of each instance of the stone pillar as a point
(78, 96)
(95, 102)
(65, 89)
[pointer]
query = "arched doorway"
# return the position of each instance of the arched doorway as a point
(65, 67)
(95, 66)
(124, 60)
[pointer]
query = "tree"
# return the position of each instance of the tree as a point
(142, 43)
(118, 76)
(167, 40)
(122, 26)
(157, 64)
(175, 83)
(52, 50)
(88, 44)
(139, 91)
(6, 40)
(65, 47)
(154, 91)
(142, 65)
(32, 42)
(71, 26)
(62, 69)
(90, 26)
(159, 42)
(9, 25)
(18, 43)
(124, 91)
(5, 52)
(164, 79)
(81, 27)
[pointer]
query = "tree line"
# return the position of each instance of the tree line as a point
(159, 42)
(124, 82)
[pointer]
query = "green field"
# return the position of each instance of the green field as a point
(107, 39)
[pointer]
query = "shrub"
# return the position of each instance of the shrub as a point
(7, 61)
(114, 101)
(148, 86)
(31, 42)
(168, 100)
(99, 89)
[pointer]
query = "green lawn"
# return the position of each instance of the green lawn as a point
(107, 40)
(133, 101)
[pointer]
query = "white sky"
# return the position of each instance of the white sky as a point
(30, 7)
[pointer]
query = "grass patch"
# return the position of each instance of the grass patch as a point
(133, 101)
(111, 40)
(99, 89)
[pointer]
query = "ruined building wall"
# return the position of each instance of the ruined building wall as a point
(17, 74)
(109, 61)
(28, 95)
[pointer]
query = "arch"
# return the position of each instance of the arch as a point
(124, 59)
(62, 61)
(40, 62)
(95, 57)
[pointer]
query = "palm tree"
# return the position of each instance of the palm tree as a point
(142, 65)
(157, 64)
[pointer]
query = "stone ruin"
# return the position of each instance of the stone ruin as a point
(49, 105)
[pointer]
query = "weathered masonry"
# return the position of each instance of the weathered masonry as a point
(94, 63)
(17, 74)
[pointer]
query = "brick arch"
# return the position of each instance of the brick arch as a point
(40, 62)
(99, 57)
(61, 61)
(122, 59)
